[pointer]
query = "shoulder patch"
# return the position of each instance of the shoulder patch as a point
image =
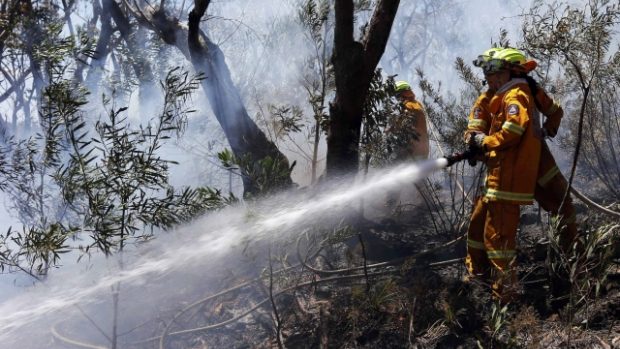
(513, 109)
(477, 112)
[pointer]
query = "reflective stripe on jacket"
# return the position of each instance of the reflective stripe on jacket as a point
(479, 117)
(552, 110)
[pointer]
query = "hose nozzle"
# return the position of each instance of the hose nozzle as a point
(460, 156)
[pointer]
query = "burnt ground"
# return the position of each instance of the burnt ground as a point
(397, 283)
(344, 297)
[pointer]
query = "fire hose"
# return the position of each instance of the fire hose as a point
(471, 153)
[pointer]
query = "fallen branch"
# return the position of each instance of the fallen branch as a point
(292, 288)
(263, 302)
(73, 342)
(375, 265)
(204, 300)
(594, 205)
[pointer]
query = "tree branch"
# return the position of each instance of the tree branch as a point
(102, 49)
(19, 81)
(193, 37)
(379, 31)
(141, 67)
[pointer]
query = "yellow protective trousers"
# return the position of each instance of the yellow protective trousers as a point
(550, 189)
(491, 246)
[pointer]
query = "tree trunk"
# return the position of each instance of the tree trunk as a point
(354, 64)
(141, 66)
(102, 49)
(245, 138)
(344, 134)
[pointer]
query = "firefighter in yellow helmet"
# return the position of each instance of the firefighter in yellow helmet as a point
(510, 137)
(551, 184)
(411, 124)
(406, 133)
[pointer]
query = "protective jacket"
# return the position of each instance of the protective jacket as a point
(480, 117)
(420, 147)
(551, 109)
(410, 133)
(513, 145)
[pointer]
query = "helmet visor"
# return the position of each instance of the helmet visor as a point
(492, 66)
(478, 62)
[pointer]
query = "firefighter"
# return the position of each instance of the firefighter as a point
(409, 128)
(512, 146)
(550, 186)
(477, 262)
(406, 134)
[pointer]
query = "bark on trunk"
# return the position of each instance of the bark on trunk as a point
(354, 64)
(244, 136)
(141, 66)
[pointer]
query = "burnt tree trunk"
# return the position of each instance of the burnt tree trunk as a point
(354, 65)
(245, 138)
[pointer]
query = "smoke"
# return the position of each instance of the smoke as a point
(266, 50)
(442, 31)
(179, 267)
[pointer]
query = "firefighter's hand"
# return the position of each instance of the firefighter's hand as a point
(477, 142)
(550, 129)
(469, 136)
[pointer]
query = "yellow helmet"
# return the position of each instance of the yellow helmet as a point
(486, 56)
(511, 55)
(504, 59)
(401, 86)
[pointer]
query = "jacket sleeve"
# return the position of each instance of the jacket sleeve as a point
(479, 119)
(517, 121)
(552, 110)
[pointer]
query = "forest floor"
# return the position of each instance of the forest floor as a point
(344, 295)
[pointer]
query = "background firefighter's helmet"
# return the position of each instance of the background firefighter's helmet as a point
(401, 86)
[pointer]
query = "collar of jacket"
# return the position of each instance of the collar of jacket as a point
(507, 86)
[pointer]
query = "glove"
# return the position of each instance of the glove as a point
(550, 128)
(478, 142)
(468, 137)
(472, 162)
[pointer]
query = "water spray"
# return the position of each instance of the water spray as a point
(228, 229)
